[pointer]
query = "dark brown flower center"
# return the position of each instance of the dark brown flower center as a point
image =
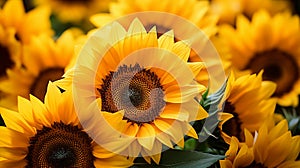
(232, 127)
(6, 61)
(135, 90)
(279, 67)
(39, 86)
(60, 146)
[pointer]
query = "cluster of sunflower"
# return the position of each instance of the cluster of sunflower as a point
(153, 83)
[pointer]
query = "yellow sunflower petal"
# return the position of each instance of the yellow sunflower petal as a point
(201, 113)
(134, 149)
(174, 94)
(52, 99)
(136, 27)
(66, 109)
(225, 164)
(13, 154)
(14, 11)
(152, 38)
(153, 154)
(25, 109)
(101, 152)
(168, 126)
(146, 136)
(296, 148)
(180, 143)
(171, 111)
(277, 155)
(196, 67)
(249, 140)
(115, 120)
(260, 143)
(233, 148)
(223, 117)
(278, 130)
(162, 137)
(100, 19)
(182, 50)
(117, 146)
(146, 157)
(40, 113)
(244, 157)
(13, 139)
(156, 158)
(16, 122)
(166, 41)
(9, 163)
(113, 162)
(131, 129)
(192, 133)
(41, 16)
(268, 89)
(290, 164)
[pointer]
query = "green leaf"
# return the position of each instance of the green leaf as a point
(182, 159)
(204, 96)
(292, 116)
(58, 26)
(190, 144)
(214, 99)
(205, 128)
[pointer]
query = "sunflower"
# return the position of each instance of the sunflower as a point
(49, 135)
(272, 6)
(145, 78)
(44, 59)
(238, 155)
(185, 17)
(228, 10)
(10, 57)
(10, 50)
(265, 149)
(192, 10)
(247, 104)
(75, 11)
(269, 43)
(34, 22)
(268, 149)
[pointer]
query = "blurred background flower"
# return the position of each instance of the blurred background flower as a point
(193, 10)
(74, 10)
(271, 44)
(43, 60)
(228, 10)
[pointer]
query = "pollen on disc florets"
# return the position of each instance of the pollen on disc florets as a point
(135, 90)
(60, 146)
